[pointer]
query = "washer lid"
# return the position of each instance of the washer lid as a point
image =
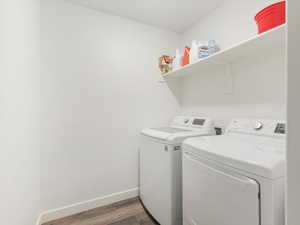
(170, 130)
(262, 156)
(173, 134)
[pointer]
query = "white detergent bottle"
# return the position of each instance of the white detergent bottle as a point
(177, 60)
(194, 52)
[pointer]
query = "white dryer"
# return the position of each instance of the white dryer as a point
(237, 178)
(160, 166)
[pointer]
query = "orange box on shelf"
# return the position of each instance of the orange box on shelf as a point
(186, 56)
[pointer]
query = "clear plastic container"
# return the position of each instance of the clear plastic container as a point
(203, 51)
(212, 47)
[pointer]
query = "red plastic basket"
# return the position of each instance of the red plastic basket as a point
(270, 17)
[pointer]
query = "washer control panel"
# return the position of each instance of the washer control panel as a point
(186, 121)
(198, 122)
(192, 122)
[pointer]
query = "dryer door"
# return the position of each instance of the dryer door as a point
(214, 196)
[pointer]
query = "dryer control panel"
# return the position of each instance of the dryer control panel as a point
(257, 126)
(280, 128)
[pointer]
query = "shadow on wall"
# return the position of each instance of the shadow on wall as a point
(255, 80)
(175, 87)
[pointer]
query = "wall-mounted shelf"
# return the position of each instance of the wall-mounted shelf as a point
(265, 42)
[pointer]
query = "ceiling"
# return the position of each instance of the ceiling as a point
(175, 15)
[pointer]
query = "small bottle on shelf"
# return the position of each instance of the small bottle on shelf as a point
(212, 47)
(194, 52)
(177, 60)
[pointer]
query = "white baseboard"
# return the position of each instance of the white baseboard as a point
(38, 222)
(86, 205)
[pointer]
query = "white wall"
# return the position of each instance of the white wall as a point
(99, 88)
(293, 155)
(232, 22)
(258, 81)
(19, 120)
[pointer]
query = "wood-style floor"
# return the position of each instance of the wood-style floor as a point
(128, 212)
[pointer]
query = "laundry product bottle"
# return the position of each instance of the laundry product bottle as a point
(186, 56)
(203, 50)
(177, 60)
(194, 52)
(212, 47)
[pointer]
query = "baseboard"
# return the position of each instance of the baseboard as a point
(39, 220)
(86, 205)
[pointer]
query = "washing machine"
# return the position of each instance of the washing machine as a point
(237, 178)
(160, 166)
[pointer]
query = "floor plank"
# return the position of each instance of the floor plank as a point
(128, 212)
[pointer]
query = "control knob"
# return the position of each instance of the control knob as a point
(258, 125)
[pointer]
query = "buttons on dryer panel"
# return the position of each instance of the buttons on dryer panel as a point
(271, 127)
(246, 126)
(280, 128)
(239, 125)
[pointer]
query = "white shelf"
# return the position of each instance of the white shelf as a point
(273, 39)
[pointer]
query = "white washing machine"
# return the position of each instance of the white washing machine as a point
(160, 166)
(237, 178)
